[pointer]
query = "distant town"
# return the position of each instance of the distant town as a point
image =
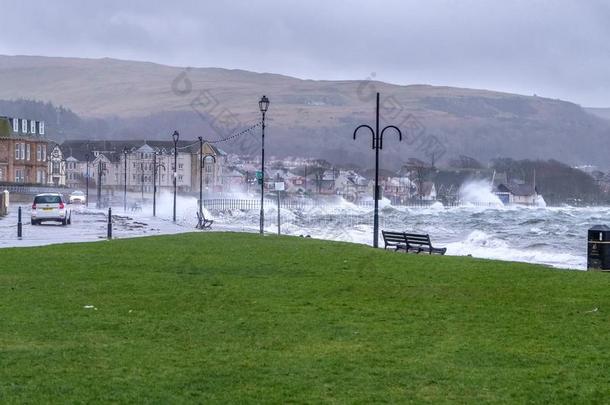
(29, 157)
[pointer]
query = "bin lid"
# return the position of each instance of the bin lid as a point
(600, 228)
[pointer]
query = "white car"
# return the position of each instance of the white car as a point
(78, 197)
(50, 207)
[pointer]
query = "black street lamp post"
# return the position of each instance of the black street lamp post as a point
(142, 179)
(100, 172)
(87, 182)
(377, 146)
(207, 155)
(125, 151)
(175, 137)
(263, 105)
(200, 174)
(156, 166)
(202, 158)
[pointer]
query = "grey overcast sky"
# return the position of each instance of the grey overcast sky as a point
(554, 48)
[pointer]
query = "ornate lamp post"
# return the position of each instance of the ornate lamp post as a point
(87, 182)
(377, 146)
(156, 167)
(101, 170)
(202, 158)
(263, 105)
(125, 152)
(175, 137)
(200, 174)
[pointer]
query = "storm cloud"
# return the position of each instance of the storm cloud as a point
(558, 49)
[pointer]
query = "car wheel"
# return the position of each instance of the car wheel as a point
(64, 222)
(33, 222)
(70, 220)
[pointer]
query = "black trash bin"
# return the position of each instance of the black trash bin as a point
(598, 248)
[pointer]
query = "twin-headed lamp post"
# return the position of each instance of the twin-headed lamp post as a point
(202, 158)
(263, 105)
(377, 146)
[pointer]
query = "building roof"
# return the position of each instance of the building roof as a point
(517, 189)
(112, 149)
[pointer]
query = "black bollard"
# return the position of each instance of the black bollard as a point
(109, 223)
(19, 224)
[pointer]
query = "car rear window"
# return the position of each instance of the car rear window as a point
(47, 199)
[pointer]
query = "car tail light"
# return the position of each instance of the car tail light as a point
(34, 206)
(61, 206)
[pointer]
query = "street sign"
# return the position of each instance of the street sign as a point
(279, 186)
(259, 175)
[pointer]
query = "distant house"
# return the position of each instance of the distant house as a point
(234, 180)
(351, 185)
(428, 191)
(74, 176)
(517, 193)
(56, 166)
(397, 189)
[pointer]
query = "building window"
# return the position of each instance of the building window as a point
(44, 153)
(180, 166)
(41, 128)
(24, 126)
(27, 151)
(20, 151)
(33, 127)
(19, 178)
(38, 153)
(15, 125)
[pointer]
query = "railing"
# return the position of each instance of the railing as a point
(31, 189)
(227, 204)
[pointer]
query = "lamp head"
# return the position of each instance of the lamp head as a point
(263, 104)
(175, 136)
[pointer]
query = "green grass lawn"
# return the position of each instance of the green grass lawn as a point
(221, 317)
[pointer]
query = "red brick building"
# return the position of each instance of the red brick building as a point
(23, 151)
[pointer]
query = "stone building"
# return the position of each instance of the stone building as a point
(23, 151)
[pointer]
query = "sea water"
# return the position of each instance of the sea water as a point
(554, 236)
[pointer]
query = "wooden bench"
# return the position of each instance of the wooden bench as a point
(395, 240)
(203, 223)
(421, 243)
(410, 242)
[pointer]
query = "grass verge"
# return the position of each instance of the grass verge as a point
(222, 317)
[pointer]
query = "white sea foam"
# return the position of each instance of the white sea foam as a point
(478, 192)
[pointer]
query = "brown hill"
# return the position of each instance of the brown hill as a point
(309, 117)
